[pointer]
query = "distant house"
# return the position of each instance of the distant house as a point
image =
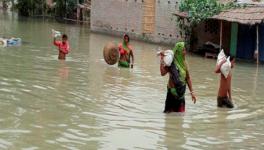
(150, 20)
(240, 32)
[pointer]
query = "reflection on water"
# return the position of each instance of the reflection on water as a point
(84, 103)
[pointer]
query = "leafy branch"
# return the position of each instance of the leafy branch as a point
(198, 11)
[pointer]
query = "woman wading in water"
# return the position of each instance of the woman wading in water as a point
(125, 51)
(179, 77)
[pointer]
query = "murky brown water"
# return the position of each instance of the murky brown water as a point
(83, 103)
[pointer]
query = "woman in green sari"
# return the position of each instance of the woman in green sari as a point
(179, 77)
(125, 51)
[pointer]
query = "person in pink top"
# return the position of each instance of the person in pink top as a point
(63, 46)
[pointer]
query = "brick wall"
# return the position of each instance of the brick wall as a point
(120, 16)
(116, 16)
(166, 26)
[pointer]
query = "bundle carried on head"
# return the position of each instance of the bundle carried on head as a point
(226, 66)
(55, 33)
(168, 57)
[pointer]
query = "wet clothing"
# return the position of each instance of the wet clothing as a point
(63, 48)
(179, 61)
(175, 77)
(173, 102)
(124, 51)
(224, 102)
(123, 64)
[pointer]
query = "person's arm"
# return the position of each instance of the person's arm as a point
(132, 55)
(229, 89)
(218, 67)
(229, 94)
(163, 70)
(55, 42)
(189, 83)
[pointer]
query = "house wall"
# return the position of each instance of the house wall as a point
(166, 27)
(201, 34)
(226, 36)
(113, 16)
(119, 16)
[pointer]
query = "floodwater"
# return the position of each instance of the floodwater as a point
(83, 103)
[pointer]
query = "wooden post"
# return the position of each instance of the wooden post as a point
(221, 34)
(78, 11)
(257, 45)
(43, 9)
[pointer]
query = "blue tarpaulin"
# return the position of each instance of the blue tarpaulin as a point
(261, 42)
(246, 43)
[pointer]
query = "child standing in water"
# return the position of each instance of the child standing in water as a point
(63, 46)
(224, 98)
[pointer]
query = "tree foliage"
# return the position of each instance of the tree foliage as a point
(200, 10)
(63, 8)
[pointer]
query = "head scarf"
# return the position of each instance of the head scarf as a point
(125, 45)
(179, 60)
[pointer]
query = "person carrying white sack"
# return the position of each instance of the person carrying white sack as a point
(63, 44)
(174, 63)
(224, 66)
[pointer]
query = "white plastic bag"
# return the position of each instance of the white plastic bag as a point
(226, 67)
(168, 57)
(55, 33)
(221, 57)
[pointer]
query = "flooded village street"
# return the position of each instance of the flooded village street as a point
(84, 103)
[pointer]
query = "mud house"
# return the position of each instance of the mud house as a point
(240, 31)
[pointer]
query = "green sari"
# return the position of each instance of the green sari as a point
(180, 64)
(179, 60)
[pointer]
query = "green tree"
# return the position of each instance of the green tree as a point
(198, 11)
(25, 7)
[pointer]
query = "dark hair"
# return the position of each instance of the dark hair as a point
(64, 36)
(232, 58)
(126, 35)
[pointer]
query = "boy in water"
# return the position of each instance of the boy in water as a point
(224, 93)
(63, 46)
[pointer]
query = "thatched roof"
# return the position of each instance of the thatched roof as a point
(225, 1)
(248, 15)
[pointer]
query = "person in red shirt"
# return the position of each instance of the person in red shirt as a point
(63, 46)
